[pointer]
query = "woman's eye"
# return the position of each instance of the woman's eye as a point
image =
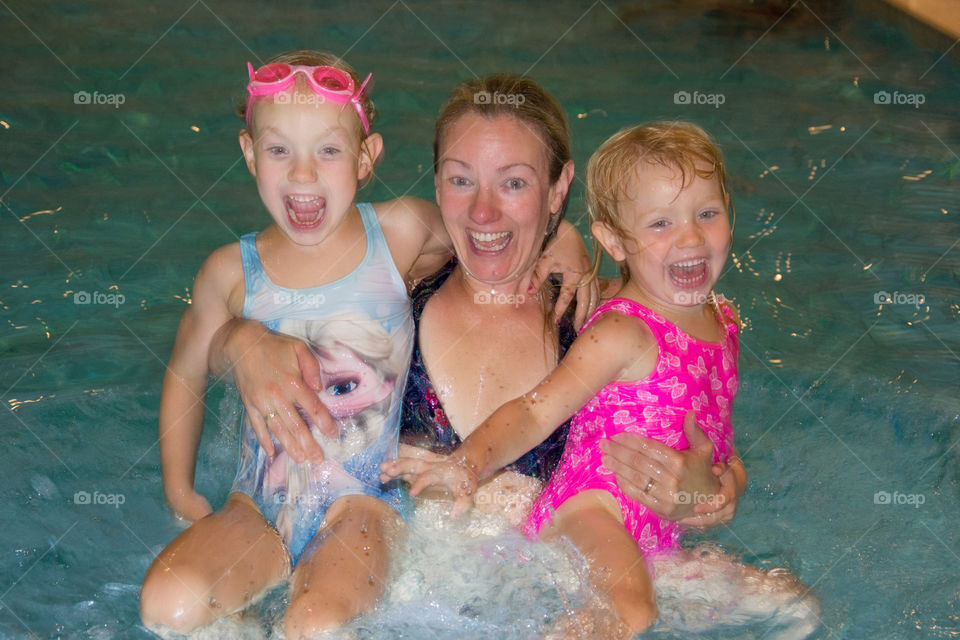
(459, 181)
(515, 183)
(342, 387)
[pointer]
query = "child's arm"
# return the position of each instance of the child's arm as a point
(416, 236)
(185, 381)
(600, 355)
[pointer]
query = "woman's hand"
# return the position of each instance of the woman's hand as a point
(567, 255)
(275, 375)
(676, 485)
(453, 473)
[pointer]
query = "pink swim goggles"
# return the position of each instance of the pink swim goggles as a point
(329, 83)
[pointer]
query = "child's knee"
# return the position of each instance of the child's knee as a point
(307, 617)
(638, 614)
(177, 599)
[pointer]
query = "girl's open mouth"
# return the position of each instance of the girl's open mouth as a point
(305, 212)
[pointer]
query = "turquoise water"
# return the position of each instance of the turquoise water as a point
(845, 402)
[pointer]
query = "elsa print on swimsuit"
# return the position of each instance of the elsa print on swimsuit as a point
(359, 365)
(358, 370)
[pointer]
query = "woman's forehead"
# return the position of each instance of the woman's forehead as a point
(500, 142)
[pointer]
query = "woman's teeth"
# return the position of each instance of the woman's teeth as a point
(490, 241)
(689, 272)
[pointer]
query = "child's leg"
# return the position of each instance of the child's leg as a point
(593, 523)
(343, 570)
(214, 568)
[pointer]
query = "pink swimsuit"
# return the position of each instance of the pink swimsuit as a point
(690, 374)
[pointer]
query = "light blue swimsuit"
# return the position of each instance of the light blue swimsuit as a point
(361, 331)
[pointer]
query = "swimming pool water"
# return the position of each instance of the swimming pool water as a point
(846, 193)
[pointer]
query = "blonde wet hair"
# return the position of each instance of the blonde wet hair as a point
(678, 145)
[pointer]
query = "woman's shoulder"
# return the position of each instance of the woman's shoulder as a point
(427, 287)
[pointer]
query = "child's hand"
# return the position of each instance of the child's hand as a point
(720, 510)
(189, 505)
(454, 474)
(567, 255)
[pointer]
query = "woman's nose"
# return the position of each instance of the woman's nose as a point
(484, 209)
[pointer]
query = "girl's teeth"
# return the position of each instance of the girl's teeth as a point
(689, 271)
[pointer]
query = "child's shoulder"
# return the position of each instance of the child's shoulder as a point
(221, 275)
(619, 331)
(223, 260)
(402, 210)
(623, 343)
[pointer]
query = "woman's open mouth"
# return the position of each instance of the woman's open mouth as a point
(490, 242)
(689, 274)
(305, 212)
